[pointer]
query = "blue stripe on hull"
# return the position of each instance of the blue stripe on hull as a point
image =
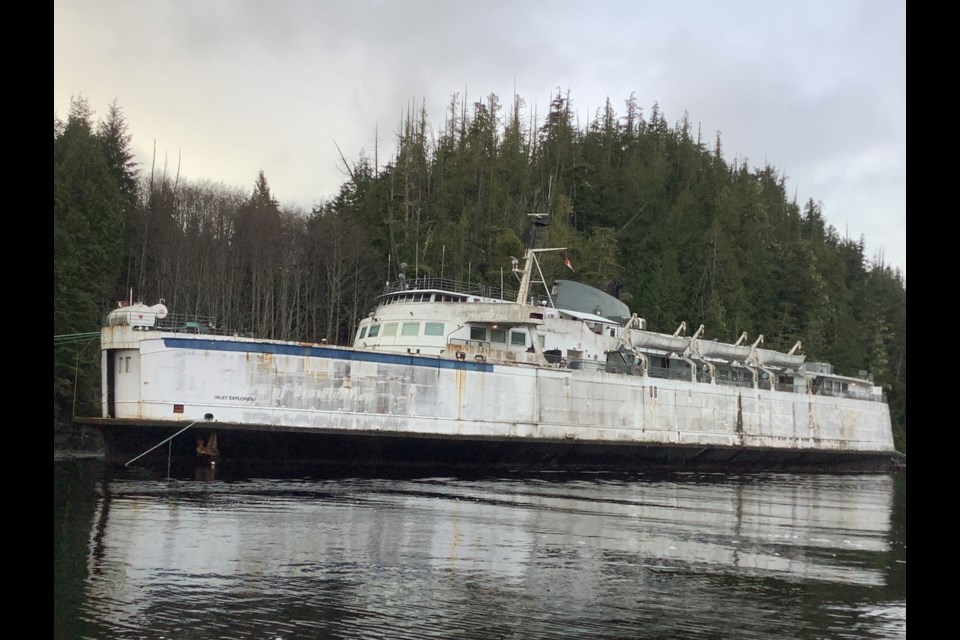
(323, 352)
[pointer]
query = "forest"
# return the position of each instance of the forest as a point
(650, 212)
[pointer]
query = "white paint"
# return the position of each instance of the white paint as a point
(522, 400)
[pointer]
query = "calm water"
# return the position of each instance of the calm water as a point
(685, 556)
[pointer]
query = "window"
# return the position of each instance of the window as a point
(410, 329)
(128, 364)
(543, 341)
(498, 335)
(363, 333)
(390, 329)
(374, 330)
(433, 329)
(478, 333)
(517, 339)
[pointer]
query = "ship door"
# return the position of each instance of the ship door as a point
(111, 383)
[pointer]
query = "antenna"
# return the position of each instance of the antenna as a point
(538, 229)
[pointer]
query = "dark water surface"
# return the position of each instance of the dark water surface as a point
(681, 556)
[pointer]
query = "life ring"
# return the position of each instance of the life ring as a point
(562, 363)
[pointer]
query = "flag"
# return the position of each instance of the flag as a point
(567, 263)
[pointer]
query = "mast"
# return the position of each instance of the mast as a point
(529, 260)
(538, 231)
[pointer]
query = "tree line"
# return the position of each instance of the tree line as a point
(652, 213)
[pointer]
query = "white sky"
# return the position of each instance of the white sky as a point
(814, 88)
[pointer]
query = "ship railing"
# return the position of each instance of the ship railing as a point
(679, 373)
(622, 368)
(744, 383)
(664, 373)
(189, 323)
(669, 373)
(180, 323)
(453, 286)
(858, 394)
(582, 364)
(790, 387)
(855, 395)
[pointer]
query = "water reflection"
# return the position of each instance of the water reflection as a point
(684, 556)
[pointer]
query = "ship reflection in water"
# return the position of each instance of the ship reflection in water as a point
(688, 556)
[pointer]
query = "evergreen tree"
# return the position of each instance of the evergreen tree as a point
(115, 138)
(87, 241)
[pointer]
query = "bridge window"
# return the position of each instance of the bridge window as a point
(374, 330)
(433, 329)
(390, 329)
(498, 335)
(363, 333)
(478, 333)
(410, 329)
(518, 339)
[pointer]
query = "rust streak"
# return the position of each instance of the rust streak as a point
(739, 425)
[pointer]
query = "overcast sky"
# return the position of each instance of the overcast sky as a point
(815, 89)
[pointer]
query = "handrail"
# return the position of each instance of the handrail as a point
(451, 286)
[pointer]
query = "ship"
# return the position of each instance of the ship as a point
(444, 374)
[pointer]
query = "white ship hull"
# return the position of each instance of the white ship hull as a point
(268, 400)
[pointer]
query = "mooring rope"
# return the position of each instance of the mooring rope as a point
(163, 442)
